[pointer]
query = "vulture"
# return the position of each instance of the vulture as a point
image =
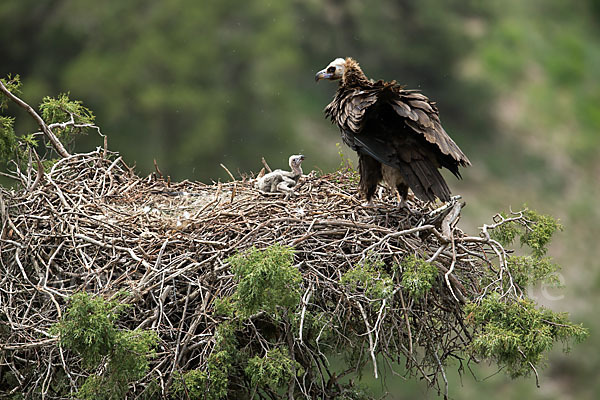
(282, 181)
(396, 132)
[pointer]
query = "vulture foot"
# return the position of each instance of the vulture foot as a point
(368, 204)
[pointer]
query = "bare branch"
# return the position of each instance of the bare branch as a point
(58, 146)
(91, 224)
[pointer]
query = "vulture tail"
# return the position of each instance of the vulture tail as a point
(425, 180)
(370, 175)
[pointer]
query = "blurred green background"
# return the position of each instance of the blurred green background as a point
(194, 84)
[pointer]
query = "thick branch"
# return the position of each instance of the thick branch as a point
(58, 146)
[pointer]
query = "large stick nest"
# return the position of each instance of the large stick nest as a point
(90, 224)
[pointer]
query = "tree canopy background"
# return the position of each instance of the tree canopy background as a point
(197, 84)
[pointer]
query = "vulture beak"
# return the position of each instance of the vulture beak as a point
(322, 74)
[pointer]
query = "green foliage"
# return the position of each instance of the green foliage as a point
(191, 385)
(507, 232)
(96, 387)
(131, 353)
(225, 306)
(527, 270)
(544, 226)
(517, 334)
(418, 276)
(53, 110)
(219, 363)
(88, 329)
(536, 233)
(273, 370)
(370, 278)
(266, 279)
(212, 382)
(8, 140)
(359, 392)
(13, 84)
(60, 110)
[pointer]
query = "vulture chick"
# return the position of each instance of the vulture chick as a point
(282, 181)
(397, 134)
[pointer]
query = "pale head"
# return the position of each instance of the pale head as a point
(335, 70)
(295, 160)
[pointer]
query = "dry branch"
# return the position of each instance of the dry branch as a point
(91, 225)
(58, 146)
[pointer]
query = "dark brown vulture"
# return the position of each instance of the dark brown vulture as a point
(397, 134)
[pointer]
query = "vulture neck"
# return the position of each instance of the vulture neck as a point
(296, 170)
(353, 75)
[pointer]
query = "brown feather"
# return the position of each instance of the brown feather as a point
(394, 128)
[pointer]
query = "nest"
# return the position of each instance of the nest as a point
(90, 224)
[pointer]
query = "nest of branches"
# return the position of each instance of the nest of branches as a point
(91, 225)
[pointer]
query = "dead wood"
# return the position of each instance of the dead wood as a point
(90, 224)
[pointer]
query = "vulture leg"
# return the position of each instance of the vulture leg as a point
(275, 183)
(394, 180)
(286, 186)
(370, 175)
(402, 193)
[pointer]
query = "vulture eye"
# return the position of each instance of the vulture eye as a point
(330, 70)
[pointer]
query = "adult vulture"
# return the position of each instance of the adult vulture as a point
(397, 134)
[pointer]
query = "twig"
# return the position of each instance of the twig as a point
(157, 169)
(228, 172)
(370, 336)
(264, 162)
(58, 146)
(305, 300)
(91, 224)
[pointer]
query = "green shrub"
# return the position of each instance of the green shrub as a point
(210, 383)
(418, 276)
(544, 226)
(516, 334)
(369, 278)
(536, 235)
(527, 270)
(8, 139)
(88, 329)
(273, 370)
(507, 232)
(266, 280)
(60, 109)
(191, 384)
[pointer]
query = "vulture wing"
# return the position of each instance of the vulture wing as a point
(401, 129)
(348, 110)
(422, 116)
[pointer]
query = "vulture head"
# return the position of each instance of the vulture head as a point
(295, 161)
(295, 164)
(335, 70)
(346, 70)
